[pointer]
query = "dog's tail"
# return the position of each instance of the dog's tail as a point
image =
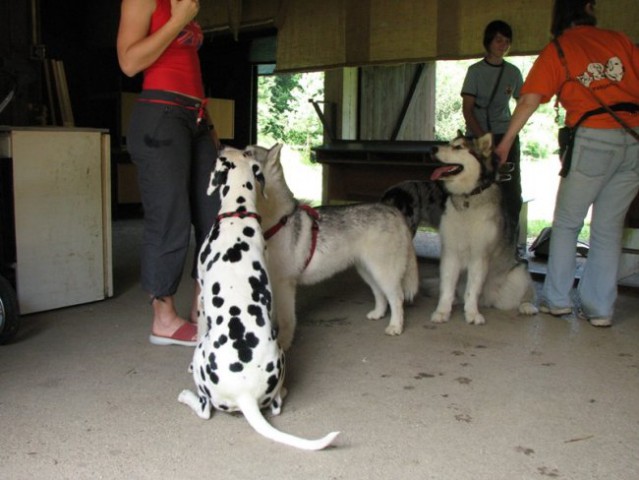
(410, 281)
(254, 416)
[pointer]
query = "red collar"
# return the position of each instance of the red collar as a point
(311, 212)
(222, 216)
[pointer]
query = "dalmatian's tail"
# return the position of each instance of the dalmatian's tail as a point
(254, 416)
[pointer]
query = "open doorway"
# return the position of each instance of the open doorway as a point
(286, 115)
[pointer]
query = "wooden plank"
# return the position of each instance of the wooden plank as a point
(65, 100)
(107, 244)
(222, 113)
(49, 81)
(58, 90)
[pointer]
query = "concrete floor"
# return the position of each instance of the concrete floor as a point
(83, 395)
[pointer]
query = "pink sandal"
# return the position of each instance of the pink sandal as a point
(186, 336)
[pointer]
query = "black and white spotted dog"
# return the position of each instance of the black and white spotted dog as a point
(421, 202)
(238, 364)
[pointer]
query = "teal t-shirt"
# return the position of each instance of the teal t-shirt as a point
(479, 83)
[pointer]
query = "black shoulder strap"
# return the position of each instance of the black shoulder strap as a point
(562, 57)
(494, 92)
(604, 107)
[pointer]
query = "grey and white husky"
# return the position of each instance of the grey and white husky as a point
(473, 236)
(306, 246)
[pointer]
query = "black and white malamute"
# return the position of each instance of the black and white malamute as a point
(473, 235)
(463, 201)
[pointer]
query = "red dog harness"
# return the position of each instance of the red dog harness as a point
(311, 212)
(222, 216)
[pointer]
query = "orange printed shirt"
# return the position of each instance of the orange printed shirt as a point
(604, 61)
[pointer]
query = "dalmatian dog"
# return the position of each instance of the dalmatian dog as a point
(238, 364)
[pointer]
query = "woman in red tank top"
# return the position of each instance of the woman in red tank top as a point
(174, 147)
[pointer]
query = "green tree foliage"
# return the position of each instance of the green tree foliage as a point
(448, 106)
(285, 113)
(539, 135)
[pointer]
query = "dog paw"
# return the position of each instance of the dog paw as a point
(374, 315)
(440, 317)
(475, 318)
(185, 396)
(394, 330)
(285, 341)
(201, 408)
(528, 308)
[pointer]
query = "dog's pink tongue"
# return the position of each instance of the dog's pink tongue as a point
(441, 171)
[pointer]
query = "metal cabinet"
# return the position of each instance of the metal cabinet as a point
(62, 215)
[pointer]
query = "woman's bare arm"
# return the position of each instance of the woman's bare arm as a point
(137, 49)
(468, 109)
(526, 106)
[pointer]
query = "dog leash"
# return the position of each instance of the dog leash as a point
(311, 212)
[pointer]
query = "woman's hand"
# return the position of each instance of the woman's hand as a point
(526, 106)
(502, 151)
(183, 11)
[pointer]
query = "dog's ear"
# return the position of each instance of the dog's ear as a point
(484, 145)
(460, 134)
(213, 182)
(219, 175)
(274, 152)
(259, 176)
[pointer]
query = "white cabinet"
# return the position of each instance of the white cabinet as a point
(62, 210)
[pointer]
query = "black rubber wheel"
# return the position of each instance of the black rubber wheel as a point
(9, 317)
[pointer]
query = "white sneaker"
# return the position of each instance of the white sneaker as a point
(556, 312)
(595, 321)
(600, 321)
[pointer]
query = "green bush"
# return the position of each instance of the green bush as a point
(285, 113)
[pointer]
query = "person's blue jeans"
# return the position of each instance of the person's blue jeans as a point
(605, 175)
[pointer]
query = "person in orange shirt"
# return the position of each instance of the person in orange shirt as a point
(174, 147)
(603, 172)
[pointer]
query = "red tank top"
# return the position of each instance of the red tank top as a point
(178, 68)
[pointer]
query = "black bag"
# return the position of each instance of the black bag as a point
(564, 136)
(541, 245)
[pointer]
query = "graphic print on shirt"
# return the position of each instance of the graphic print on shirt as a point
(191, 36)
(613, 71)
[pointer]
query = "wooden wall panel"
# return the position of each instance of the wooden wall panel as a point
(461, 26)
(312, 36)
(369, 32)
(383, 92)
(402, 30)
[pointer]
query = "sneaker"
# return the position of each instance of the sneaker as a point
(555, 311)
(595, 321)
(600, 321)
